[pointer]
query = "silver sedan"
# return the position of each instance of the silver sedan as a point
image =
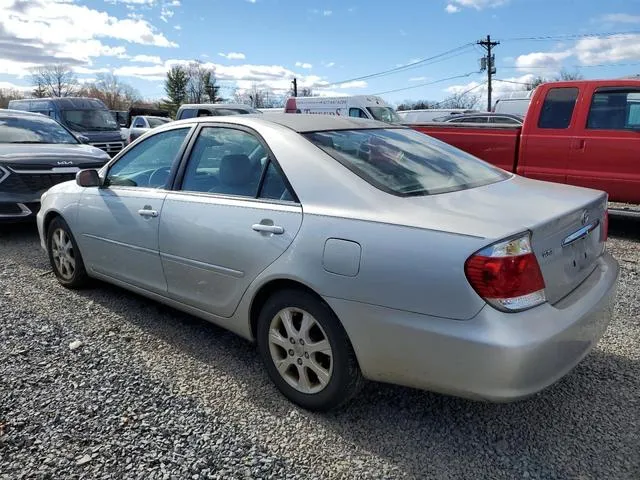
(347, 249)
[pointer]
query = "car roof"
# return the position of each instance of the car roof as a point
(7, 112)
(216, 105)
(298, 122)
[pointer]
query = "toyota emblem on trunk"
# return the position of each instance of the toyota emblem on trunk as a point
(585, 217)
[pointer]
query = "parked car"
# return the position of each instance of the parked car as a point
(358, 106)
(348, 249)
(143, 123)
(584, 133)
(35, 154)
(483, 117)
(213, 109)
(84, 116)
(430, 114)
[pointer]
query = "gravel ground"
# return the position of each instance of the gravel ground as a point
(105, 384)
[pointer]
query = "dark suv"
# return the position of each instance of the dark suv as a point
(36, 152)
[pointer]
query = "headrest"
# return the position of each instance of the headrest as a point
(235, 170)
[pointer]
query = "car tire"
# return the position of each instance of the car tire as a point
(64, 255)
(311, 360)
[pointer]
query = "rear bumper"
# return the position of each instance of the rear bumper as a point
(494, 356)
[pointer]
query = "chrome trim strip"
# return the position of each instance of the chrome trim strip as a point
(234, 201)
(121, 244)
(4, 173)
(581, 233)
(204, 266)
(47, 172)
(25, 212)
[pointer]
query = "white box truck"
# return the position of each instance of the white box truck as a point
(360, 106)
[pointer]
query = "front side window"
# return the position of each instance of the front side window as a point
(405, 162)
(187, 113)
(33, 129)
(148, 164)
(558, 107)
(89, 120)
(225, 161)
(357, 112)
(615, 110)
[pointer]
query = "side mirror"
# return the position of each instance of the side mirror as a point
(88, 178)
(82, 139)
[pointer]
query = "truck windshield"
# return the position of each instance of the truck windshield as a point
(404, 162)
(34, 129)
(89, 120)
(384, 114)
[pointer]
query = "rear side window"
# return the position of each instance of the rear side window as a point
(404, 162)
(187, 113)
(557, 109)
(615, 110)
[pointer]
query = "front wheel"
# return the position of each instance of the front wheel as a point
(306, 351)
(64, 255)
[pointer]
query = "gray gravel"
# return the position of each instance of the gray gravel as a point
(105, 384)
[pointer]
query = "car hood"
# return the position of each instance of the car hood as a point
(51, 155)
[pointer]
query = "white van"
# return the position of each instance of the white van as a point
(516, 103)
(360, 106)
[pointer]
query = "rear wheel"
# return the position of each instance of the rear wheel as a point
(64, 255)
(307, 352)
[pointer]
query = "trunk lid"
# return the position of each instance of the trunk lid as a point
(568, 247)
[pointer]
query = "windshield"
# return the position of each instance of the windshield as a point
(89, 120)
(156, 121)
(384, 114)
(405, 162)
(34, 129)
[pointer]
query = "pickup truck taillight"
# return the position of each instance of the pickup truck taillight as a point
(507, 275)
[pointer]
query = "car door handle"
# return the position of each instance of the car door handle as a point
(261, 227)
(147, 213)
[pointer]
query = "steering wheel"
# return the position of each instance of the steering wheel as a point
(159, 177)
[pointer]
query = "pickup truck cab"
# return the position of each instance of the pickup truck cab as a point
(584, 133)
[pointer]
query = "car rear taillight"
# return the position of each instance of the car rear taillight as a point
(605, 226)
(507, 275)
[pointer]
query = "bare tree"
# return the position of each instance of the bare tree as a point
(464, 100)
(201, 85)
(566, 75)
(116, 95)
(535, 82)
(8, 94)
(54, 81)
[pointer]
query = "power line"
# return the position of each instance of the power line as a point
(428, 83)
(463, 93)
(404, 67)
(511, 81)
(578, 66)
(571, 36)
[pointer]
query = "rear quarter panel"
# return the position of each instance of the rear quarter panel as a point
(497, 145)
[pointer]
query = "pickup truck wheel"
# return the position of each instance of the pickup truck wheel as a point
(64, 255)
(306, 351)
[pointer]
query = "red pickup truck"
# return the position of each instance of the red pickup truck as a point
(583, 133)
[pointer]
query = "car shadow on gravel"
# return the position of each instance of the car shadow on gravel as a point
(559, 433)
(624, 227)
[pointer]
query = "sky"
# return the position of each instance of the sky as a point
(328, 45)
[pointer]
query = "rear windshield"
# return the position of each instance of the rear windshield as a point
(33, 129)
(405, 162)
(384, 114)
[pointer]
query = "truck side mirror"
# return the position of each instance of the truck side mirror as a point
(88, 178)
(82, 139)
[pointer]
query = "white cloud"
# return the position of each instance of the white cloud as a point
(251, 1)
(418, 79)
(233, 55)
(304, 65)
(327, 13)
(551, 61)
(616, 48)
(166, 14)
(146, 59)
(452, 8)
(328, 64)
(498, 88)
(621, 18)
(354, 84)
(89, 71)
(13, 86)
(476, 4)
(177, 27)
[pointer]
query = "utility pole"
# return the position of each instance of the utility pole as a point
(489, 64)
(295, 86)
